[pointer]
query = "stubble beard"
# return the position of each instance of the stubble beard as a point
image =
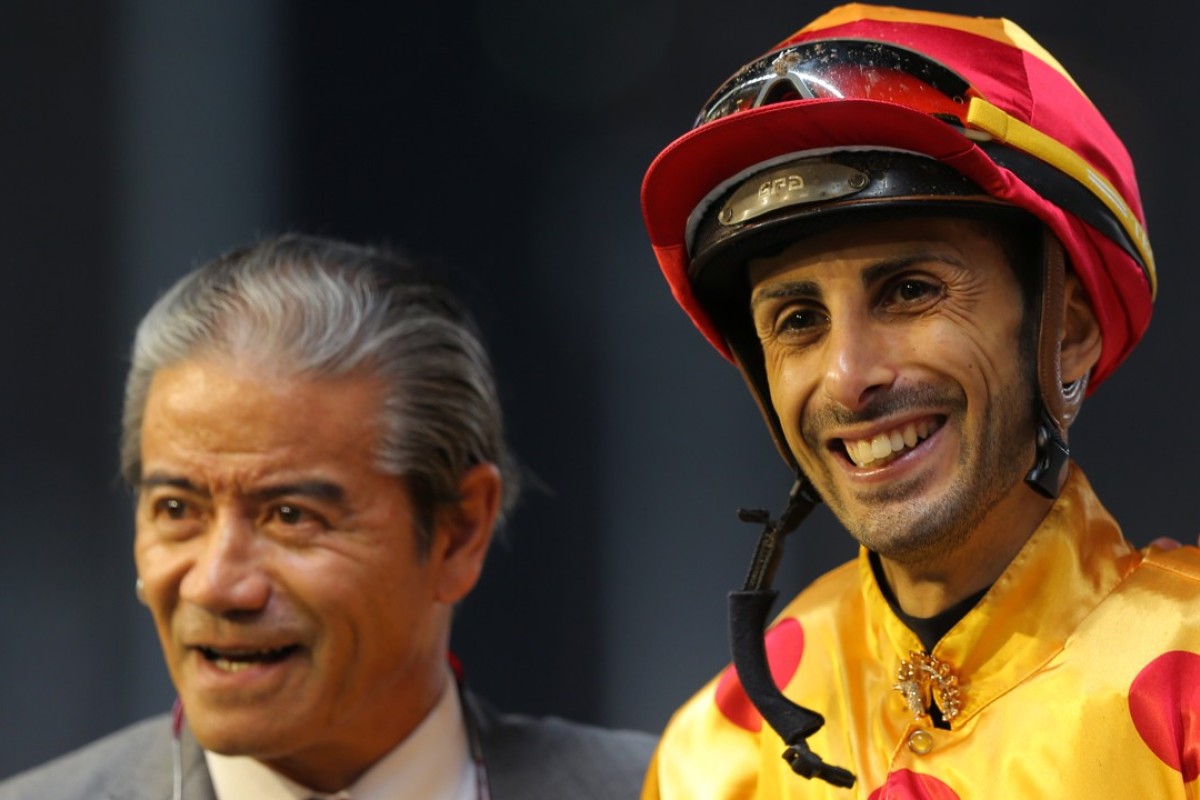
(901, 523)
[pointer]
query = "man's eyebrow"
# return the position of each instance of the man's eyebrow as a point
(885, 269)
(164, 479)
(327, 491)
(784, 290)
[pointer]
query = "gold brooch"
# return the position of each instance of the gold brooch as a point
(922, 678)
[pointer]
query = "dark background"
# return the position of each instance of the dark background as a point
(504, 142)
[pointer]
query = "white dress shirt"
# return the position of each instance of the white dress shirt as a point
(433, 763)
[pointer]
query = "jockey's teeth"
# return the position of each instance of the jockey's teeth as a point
(887, 445)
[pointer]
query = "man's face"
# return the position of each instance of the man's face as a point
(299, 624)
(893, 358)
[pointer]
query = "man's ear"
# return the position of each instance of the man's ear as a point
(1081, 340)
(463, 532)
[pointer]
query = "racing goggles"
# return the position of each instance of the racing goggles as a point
(861, 69)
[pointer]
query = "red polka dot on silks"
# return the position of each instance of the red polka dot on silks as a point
(1164, 702)
(784, 643)
(904, 784)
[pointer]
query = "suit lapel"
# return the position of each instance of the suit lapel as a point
(151, 772)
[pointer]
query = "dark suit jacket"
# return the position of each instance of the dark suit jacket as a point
(526, 758)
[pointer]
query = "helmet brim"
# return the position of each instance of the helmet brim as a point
(702, 163)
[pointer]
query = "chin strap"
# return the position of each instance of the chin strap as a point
(1059, 404)
(1049, 470)
(748, 612)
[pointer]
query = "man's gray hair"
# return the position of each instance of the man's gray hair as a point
(324, 308)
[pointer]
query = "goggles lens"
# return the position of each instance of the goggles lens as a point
(844, 69)
(861, 69)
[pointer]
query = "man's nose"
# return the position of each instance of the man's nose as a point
(229, 575)
(858, 361)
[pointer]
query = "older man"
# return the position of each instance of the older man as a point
(315, 440)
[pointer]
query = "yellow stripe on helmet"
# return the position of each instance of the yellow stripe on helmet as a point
(1004, 127)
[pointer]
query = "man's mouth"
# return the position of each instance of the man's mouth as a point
(887, 446)
(236, 660)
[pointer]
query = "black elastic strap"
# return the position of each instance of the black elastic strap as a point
(748, 613)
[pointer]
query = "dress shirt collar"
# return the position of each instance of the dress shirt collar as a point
(433, 762)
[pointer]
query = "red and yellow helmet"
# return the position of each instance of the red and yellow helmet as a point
(885, 111)
(976, 95)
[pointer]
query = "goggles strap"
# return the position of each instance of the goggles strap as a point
(1014, 133)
